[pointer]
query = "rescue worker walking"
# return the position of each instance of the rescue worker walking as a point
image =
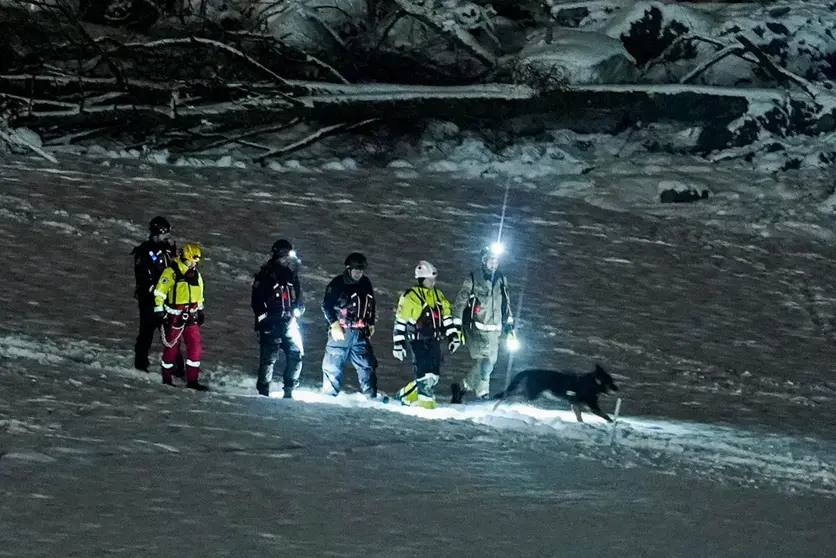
(349, 308)
(483, 310)
(423, 317)
(277, 302)
(178, 305)
(150, 259)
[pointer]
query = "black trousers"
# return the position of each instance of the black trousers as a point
(426, 357)
(145, 338)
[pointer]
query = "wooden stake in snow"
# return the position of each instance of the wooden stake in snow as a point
(615, 420)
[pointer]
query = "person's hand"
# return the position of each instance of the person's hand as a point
(337, 331)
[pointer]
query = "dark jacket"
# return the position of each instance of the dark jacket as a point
(277, 292)
(150, 260)
(351, 302)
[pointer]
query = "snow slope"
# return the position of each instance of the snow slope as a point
(718, 339)
(98, 463)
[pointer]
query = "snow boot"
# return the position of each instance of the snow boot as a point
(141, 364)
(458, 393)
(197, 386)
(263, 390)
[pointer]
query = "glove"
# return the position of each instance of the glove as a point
(371, 331)
(454, 344)
(299, 311)
(337, 331)
(160, 317)
(399, 352)
(201, 317)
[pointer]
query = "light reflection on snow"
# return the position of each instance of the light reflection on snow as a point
(477, 412)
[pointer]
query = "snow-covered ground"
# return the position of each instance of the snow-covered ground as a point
(716, 331)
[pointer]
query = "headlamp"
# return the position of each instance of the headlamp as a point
(497, 249)
(293, 254)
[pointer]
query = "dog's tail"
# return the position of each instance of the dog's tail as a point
(512, 387)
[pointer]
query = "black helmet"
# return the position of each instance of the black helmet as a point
(159, 225)
(356, 260)
(281, 248)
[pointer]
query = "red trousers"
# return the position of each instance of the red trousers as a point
(190, 335)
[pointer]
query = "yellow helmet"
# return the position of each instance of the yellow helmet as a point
(190, 253)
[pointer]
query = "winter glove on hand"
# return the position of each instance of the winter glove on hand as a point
(399, 352)
(201, 317)
(454, 344)
(337, 331)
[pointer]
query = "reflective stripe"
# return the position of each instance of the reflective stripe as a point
(200, 306)
(167, 365)
(447, 320)
(158, 308)
(261, 317)
(457, 321)
(173, 311)
(195, 363)
(451, 331)
(158, 292)
(398, 338)
(400, 326)
(486, 327)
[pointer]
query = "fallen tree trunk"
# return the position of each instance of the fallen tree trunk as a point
(584, 109)
(348, 103)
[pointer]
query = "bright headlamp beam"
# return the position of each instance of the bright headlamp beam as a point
(513, 344)
(497, 248)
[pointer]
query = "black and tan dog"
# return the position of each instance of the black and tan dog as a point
(577, 389)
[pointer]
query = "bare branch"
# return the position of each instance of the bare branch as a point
(249, 134)
(70, 138)
(20, 141)
(311, 138)
(464, 38)
(279, 45)
(32, 101)
(328, 29)
(781, 74)
(221, 46)
(718, 56)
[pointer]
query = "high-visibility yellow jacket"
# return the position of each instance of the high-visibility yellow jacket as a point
(423, 314)
(179, 289)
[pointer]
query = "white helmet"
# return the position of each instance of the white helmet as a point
(425, 269)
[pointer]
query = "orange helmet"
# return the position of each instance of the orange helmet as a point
(190, 253)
